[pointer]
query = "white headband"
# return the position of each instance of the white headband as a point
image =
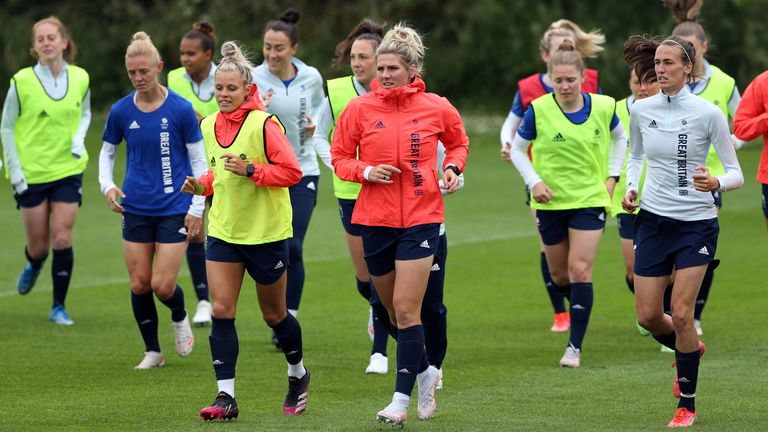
(678, 44)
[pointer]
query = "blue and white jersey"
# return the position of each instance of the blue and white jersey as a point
(158, 162)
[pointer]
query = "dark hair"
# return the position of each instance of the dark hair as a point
(640, 51)
(566, 55)
(204, 32)
(286, 23)
(367, 29)
(685, 12)
(70, 52)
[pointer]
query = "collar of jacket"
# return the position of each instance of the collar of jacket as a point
(415, 86)
(679, 97)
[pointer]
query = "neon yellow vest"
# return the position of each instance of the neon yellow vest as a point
(622, 112)
(719, 90)
(45, 126)
(340, 92)
(183, 87)
(242, 212)
(570, 158)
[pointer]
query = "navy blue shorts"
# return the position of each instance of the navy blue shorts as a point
(626, 224)
(554, 224)
(68, 190)
(718, 197)
(154, 229)
(527, 196)
(265, 262)
(384, 245)
(346, 207)
(765, 195)
(663, 243)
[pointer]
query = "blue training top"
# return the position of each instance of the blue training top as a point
(527, 128)
(158, 162)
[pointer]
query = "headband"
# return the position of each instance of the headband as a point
(678, 44)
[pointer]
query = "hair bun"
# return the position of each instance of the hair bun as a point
(140, 36)
(566, 45)
(290, 16)
(204, 27)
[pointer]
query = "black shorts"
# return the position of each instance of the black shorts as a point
(663, 243)
(346, 207)
(527, 196)
(265, 262)
(554, 224)
(384, 245)
(68, 190)
(765, 195)
(154, 229)
(626, 224)
(718, 197)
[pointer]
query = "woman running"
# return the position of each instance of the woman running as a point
(44, 145)
(676, 227)
(535, 86)
(570, 135)
(249, 224)
(293, 91)
(387, 140)
(164, 146)
(194, 82)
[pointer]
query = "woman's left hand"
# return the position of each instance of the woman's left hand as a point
(194, 226)
(233, 163)
(309, 127)
(703, 182)
(450, 181)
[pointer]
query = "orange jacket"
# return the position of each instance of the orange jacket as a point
(751, 119)
(398, 127)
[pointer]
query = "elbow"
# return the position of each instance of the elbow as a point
(294, 175)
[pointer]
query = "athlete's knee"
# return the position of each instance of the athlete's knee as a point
(406, 315)
(682, 316)
(580, 271)
(163, 287)
(61, 239)
(140, 284)
(273, 316)
(224, 310)
(650, 321)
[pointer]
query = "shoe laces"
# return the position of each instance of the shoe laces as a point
(681, 414)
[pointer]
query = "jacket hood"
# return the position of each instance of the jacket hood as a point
(415, 86)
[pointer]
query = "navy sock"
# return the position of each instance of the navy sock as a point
(288, 332)
(37, 263)
(224, 347)
(701, 299)
(295, 282)
(630, 284)
(196, 263)
(687, 375)
(61, 273)
(555, 297)
(563, 291)
(364, 288)
(435, 325)
(668, 300)
(380, 336)
(145, 313)
(668, 340)
(581, 306)
(381, 315)
(410, 357)
(176, 304)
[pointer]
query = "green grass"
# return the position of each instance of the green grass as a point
(501, 369)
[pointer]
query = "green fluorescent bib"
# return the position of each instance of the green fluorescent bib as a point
(183, 87)
(45, 127)
(340, 92)
(718, 91)
(572, 159)
(622, 112)
(243, 212)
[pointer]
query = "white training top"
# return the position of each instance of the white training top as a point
(205, 89)
(325, 123)
(673, 133)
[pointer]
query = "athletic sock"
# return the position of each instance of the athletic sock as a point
(563, 291)
(380, 313)
(668, 340)
(224, 349)
(435, 334)
(630, 284)
(176, 304)
(288, 332)
(401, 401)
(380, 335)
(410, 353)
(668, 300)
(581, 298)
(701, 299)
(227, 386)
(687, 376)
(555, 297)
(364, 288)
(61, 273)
(297, 370)
(196, 263)
(145, 313)
(37, 263)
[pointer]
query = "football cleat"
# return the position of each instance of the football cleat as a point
(223, 408)
(427, 383)
(392, 415)
(561, 323)
(60, 316)
(27, 279)
(439, 385)
(642, 330)
(152, 359)
(203, 313)
(185, 340)
(682, 418)
(378, 365)
(296, 399)
(571, 358)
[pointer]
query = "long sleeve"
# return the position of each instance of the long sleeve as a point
(751, 119)
(323, 126)
(733, 105)
(197, 159)
(13, 169)
(440, 160)
(107, 166)
(519, 157)
(509, 128)
(78, 140)
(636, 155)
(454, 138)
(721, 139)
(346, 138)
(283, 169)
(617, 151)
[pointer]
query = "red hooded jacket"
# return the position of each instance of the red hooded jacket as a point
(751, 119)
(398, 127)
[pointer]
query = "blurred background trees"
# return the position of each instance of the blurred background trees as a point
(477, 49)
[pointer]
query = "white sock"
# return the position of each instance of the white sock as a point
(400, 401)
(294, 312)
(227, 386)
(297, 370)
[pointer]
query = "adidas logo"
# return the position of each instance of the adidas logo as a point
(311, 186)
(379, 125)
(558, 138)
(292, 352)
(43, 114)
(602, 216)
(435, 267)
(218, 362)
(704, 251)
(201, 286)
(683, 380)
(577, 306)
(424, 244)
(404, 371)
(146, 321)
(134, 125)
(653, 124)
(183, 230)
(683, 122)
(279, 265)
(62, 273)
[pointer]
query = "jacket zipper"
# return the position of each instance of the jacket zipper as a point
(397, 131)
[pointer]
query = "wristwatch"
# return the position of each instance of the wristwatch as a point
(250, 170)
(454, 169)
